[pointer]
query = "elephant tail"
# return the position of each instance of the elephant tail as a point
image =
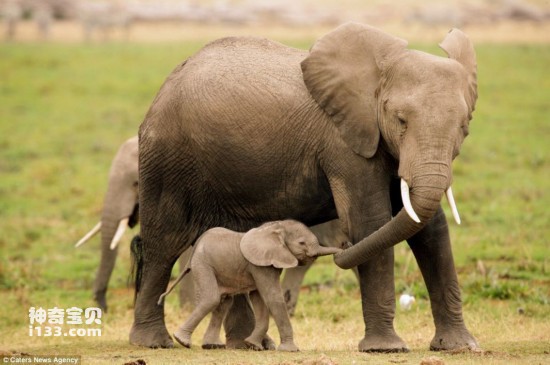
(136, 248)
(186, 270)
(174, 284)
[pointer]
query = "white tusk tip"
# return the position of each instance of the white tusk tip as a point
(451, 200)
(407, 201)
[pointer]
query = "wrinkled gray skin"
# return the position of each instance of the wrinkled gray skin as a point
(225, 263)
(249, 130)
(121, 201)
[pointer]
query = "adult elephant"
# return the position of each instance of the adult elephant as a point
(120, 211)
(249, 130)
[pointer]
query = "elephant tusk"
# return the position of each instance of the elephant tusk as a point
(89, 235)
(119, 232)
(451, 200)
(407, 201)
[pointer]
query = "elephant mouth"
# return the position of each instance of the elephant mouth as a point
(405, 197)
(419, 205)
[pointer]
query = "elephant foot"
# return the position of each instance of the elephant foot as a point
(268, 343)
(213, 346)
(253, 344)
(212, 342)
(445, 340)
(288, 347)
(183, 338)
(150, 336)
(236, 344)
(387, 344)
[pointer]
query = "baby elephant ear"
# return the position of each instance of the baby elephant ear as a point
(265, 246)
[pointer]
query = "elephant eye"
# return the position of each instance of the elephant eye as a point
(302, 243)
(402, 121)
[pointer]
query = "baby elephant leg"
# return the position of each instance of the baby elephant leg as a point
(208, 299)
(261, 314)
(211, 339)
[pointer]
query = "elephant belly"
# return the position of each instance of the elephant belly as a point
(240, 283)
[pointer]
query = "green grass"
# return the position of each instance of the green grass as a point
(65, 109)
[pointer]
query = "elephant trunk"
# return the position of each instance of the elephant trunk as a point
(109, 226)
(325, 251)
(425, 197)
(117, 215)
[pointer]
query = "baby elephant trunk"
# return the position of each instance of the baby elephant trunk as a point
(324, 251)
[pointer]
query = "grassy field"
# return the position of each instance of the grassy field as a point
(65, 109)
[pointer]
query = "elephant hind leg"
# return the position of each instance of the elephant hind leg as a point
(208, 299)
(149, 328)
(153, 273)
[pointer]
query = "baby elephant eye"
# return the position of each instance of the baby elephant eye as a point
(402, 121)
(302, 243)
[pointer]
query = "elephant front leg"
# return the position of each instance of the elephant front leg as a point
(362, 210)
(291, 284)
(376, 279)
(432, 250)
(211, 339)
(261, 312)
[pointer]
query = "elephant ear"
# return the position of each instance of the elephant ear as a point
(459, 47)
(265, 246)
(342, 73)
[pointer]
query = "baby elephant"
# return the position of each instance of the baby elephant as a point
(225, 263)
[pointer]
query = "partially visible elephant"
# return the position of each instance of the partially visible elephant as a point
(359, 128)
(225, 263)
(120, 210)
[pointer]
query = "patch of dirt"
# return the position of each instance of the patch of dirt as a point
(137, 362)
(432, 360)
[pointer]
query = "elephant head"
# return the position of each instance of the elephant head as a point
(119, 212)
(388, 100)
(282, 244)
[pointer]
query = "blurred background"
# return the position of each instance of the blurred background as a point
(165, 20)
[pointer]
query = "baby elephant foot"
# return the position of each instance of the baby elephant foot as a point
(213, 346)
(253, 344)
(288, 346)
(212, 343)
(183, 337)
(268, 343)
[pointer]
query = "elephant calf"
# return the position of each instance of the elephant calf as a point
(225, 263)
